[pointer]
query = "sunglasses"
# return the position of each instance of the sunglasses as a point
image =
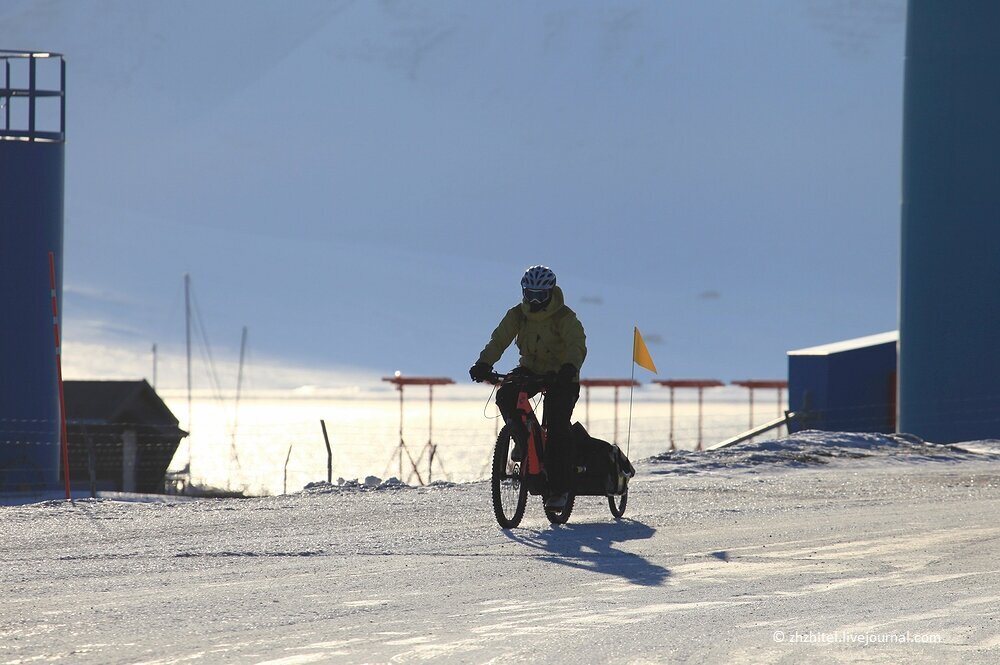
(537, 296)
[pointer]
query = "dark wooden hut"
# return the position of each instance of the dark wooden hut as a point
(121, 435)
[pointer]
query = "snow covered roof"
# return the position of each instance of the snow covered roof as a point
(848, 344)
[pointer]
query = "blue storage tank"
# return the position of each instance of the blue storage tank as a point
(32, 118)
(949, 310)
(847, 386)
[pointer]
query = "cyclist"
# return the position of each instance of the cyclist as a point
(550, 338)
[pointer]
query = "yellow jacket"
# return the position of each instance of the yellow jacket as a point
(547, 339)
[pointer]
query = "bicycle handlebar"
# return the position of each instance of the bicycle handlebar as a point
(523, 379)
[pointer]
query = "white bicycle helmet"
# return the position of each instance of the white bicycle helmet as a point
(537, 284)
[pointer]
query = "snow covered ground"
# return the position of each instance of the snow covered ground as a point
(818, 548)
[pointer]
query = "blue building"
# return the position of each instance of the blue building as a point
(847, 386)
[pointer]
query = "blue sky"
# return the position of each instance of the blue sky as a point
(362, 183)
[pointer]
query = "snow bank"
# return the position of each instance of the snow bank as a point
(370, 484)
(812, 447)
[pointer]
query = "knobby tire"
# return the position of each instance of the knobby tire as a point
(510, 494)
(561, 516)
(617, 503)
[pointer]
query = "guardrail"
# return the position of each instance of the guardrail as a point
(757, 431)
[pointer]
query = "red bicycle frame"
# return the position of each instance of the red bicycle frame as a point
(536, 450)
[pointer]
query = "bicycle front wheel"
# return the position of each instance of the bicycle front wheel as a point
(510, 494)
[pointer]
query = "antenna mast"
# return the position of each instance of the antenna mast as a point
(187, 325)
(239, 383)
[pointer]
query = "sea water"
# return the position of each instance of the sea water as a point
(275, 444)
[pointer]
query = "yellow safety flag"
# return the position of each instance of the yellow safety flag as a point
(640, 354)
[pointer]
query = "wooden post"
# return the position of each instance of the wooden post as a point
(285, 486)
(329, 453)
(130, 452)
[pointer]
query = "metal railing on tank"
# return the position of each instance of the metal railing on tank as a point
(30, 81)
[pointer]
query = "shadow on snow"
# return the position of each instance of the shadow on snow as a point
(591, 547)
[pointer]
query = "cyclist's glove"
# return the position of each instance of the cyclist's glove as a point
(567, 374)
(480, 372)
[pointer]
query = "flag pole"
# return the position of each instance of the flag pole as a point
(631, 388)
(646, 362)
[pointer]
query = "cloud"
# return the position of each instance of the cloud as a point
(101, 295)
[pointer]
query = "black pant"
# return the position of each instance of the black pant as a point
(558, 403)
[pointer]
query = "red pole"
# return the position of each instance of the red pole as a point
(673, 446)
(701, 392)
(400, 386)
(430, 431)
(616, 415)
(64, 438)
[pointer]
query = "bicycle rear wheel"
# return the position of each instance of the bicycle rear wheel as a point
(510, 494)
(561, 516)
(617, 503)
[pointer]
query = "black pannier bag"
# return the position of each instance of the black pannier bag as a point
(601, 467)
